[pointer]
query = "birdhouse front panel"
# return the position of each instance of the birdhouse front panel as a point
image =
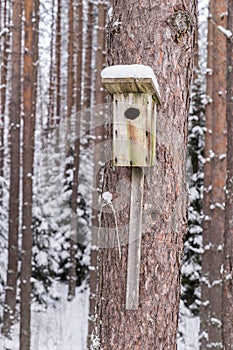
(134, 129)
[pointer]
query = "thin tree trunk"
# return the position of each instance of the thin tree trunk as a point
(228, 239)
(3, 85)
(79, 50)
(29, 105)
(50, 121)
(74, 185)
(58, 62)
(213, 238)
(88, 58)
(100, 94)
(150, 34)
(99, 132)
(70, 83)
(74, 197)
(14, 144)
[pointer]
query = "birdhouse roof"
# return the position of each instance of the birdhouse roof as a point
(135, 78)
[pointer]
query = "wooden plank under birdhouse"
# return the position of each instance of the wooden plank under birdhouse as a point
(134, 129)
(134, 247)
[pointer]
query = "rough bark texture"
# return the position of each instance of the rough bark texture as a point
(50, 120)
(228, 241)
(14, 141)
(160, 35)
(70, 82)
(214, 205)
(100, 94)
(4, 45)
(74, 185)
(29, 102)
(88, 58)
(99, 98)
(58, 62)
(79, 50)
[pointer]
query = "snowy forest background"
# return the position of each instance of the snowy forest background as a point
(60, 53)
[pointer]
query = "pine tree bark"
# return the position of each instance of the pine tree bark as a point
(14, 143)
(50, 120)
(58, 62)
(99, 98)
(29, 105)
(160, 35)
(74, 185)
(4, 44)
(70, 82)
(213, 236)
(228, 238)
(100, 94)
(88, 58)
(79, 50)
(78, 104)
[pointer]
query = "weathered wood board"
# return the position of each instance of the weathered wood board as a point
(134, 248)
(134, 129)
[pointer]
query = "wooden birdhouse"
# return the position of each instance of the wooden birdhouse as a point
(135, 96)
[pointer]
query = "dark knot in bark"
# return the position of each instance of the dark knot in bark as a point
(180, 22)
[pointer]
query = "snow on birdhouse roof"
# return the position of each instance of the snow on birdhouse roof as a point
(130, 78)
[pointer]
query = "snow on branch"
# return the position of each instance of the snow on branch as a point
(228, 34)
(4, 31)
(225, 31)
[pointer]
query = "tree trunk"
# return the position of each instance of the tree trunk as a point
(50, 121)
(14, 144)
(70, 83)
(228, 239)
(79, 50)
(58, 62)
(100, 94)
(29, 104)
(88, 58)
(4, 44)
(214, 205)
(161, 36)
(74, 185)
(99, 98)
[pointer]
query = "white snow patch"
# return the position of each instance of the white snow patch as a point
(189, 326)
(216, 321)
(42, 258)
(225, 31)
(209, 71)
(116, 24)
(222, 156)
(110, 13)
(193, 194)
(62, 325)
(228, 277)
(4, 31)
(107, 196)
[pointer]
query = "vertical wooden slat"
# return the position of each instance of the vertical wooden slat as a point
(135, 229)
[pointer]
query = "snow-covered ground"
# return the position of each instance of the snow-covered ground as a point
(62, 326)
(189, 328)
